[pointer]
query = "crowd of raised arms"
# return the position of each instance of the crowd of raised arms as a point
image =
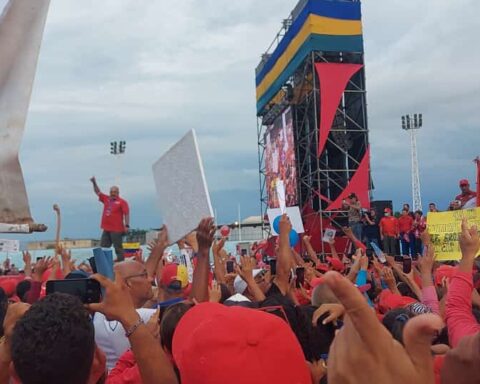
(351, 320)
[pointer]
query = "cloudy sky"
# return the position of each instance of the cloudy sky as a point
(147, 71)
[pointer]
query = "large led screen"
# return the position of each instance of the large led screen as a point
(280, 163)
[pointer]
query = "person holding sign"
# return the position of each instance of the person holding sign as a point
(115, 219)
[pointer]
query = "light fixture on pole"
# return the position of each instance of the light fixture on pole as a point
(413, 123)
(118, 148)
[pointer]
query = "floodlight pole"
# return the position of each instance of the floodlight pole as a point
(117, 148)
(413, 123)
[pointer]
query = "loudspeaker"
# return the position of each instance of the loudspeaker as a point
(380, 206)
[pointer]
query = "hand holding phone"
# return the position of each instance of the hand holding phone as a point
(407, 265)
(230, 266)
(87, 290)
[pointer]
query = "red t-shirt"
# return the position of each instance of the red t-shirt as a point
(405, 223)
(467, 197)
(389, 226)
(113, 212)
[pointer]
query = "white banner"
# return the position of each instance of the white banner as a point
(9, 246)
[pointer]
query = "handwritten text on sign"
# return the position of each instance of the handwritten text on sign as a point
(444, 229)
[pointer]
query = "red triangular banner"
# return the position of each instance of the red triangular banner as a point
(333, 81)
(359, 184)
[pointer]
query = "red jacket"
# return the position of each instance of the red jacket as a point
(459, 316)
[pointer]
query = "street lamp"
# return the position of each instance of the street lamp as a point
(413, 123)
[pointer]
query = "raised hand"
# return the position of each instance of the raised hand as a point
(247, 266)
(205, 233)
(335, 312)
(218, 246)
(285, 225)
(426, 262)
(27, 258)
(40, 267)
(93, 179)
(215, 293)
(469, 240)
(364, 351)
(117, 303)
(307, 239)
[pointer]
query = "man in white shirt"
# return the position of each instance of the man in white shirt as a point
(110, 335)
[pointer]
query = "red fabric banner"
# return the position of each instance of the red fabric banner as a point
(477, 160)
(359, 184)
(333, 81)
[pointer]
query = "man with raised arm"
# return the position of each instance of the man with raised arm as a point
(115, 218)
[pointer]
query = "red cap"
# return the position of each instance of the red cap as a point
(9, 286)
(387, 210)
(463, 182)
(323, 267)
(315, 282)
(246, 346)
(174, 272)
(337, 265)
(388, 301)
(443, 271)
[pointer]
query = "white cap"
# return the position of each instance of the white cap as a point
(238, 298)
(240, 285)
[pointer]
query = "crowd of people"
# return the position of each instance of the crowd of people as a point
(399, 235)
(351, 319)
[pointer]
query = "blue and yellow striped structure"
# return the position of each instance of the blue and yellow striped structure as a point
(322, 25)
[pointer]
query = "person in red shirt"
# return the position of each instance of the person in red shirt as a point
(467, 194)
(407, 238)
(389, 232)
(115, 219)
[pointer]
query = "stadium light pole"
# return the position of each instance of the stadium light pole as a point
(413, 123)
(118, 148)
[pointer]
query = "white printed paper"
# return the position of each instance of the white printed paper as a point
(293, 214)
(329, 235)
(182, 190)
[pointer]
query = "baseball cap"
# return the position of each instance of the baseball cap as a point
(387, 210)
(246, 346)
(174, 276)
(336, 264)
(463, 182)
(239, 285)
(388, 301)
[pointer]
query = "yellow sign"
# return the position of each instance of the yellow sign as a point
(444, 228)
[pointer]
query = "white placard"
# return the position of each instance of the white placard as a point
(182, 190)
(281, 195)
(294, 215)
(9, 246)
(329, 235)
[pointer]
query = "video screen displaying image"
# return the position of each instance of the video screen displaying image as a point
(280, 160)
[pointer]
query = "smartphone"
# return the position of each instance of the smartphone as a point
(87, 290)
(244, 252)
(92, 263)
(300, 273)
(230, 266)
(407, 265)
(378, 252)
(273, 266)
(39, 258)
